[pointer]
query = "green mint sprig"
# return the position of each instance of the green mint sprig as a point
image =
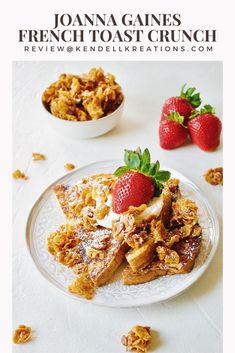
(141, 162)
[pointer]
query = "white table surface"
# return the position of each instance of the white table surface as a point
(190, 323)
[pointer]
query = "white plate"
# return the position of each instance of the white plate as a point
(46, 216)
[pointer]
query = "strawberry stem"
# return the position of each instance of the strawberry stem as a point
(193, 98)
(175, 116)
(207, 109)
(141, 162)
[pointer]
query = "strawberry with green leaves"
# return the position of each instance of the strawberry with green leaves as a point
(183, 104)
(172, 131)
(138, 181)
(205, 128)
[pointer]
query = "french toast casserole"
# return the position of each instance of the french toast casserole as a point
(157, 238)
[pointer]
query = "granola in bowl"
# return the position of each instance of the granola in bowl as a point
(90, 96)
(155, 230)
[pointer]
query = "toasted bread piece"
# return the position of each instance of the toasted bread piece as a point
(140, 257)
(144, 275)
(101, 273)
(170, 194)
(166, 209)
(187, 250)
(96, 251)
(73, 199)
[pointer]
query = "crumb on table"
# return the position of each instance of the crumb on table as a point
(22, 334)
(137, 339)
(214, 176)
(69, 166)
(18, 174)
(38, 157)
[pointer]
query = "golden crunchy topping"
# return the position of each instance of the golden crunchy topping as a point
(17, 174)
(167, 255)
(196, 231)
(189, 230)
(101, 211)
(85, 202)
(22, 334)
(69, 166)
(83, 286)
(125, 226)
(95, 253)
(214, 176)
(38, 157)
(136, 210)
(173, 186)
(89, 96)
(158, 231)
(137, 339)
(184, 212)
(137, 238)
(173, 237)
(102, 242)
(61, 244)
(185, 231)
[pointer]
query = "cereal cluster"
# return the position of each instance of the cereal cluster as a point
(90, 96)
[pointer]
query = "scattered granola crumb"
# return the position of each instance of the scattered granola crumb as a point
(38, 157)
(69, 166)
(83, 286)
(137, 339)
(17, 174)
(214, 176)
(22, 334)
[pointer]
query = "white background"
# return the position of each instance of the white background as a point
(190, 323)
(203, 13)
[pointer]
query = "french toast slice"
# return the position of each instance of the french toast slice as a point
(170, 193)
(140, 257)
(187, 249)
(96, 252)
(88, 192)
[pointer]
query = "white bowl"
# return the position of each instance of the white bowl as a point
(83, 129)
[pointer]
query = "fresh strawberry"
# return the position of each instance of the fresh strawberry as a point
(205, 128)
(132, 189)
(139, 180)
(172, 132)
(183, 104)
